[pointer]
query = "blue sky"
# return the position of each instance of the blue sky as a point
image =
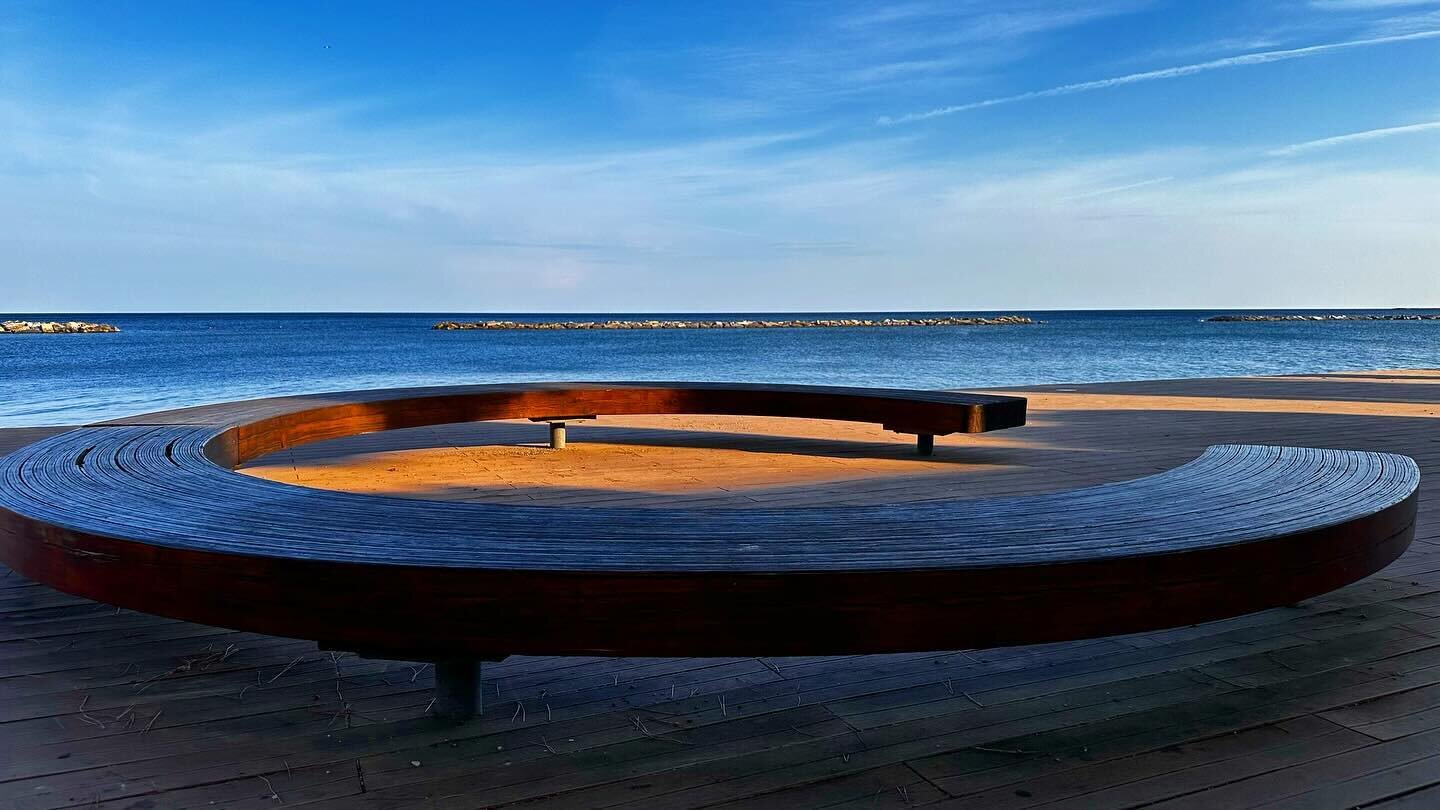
(731, 156)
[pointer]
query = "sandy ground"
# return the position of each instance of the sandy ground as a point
(638, 459)
(1105, 432)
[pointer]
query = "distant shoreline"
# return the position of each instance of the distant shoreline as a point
(819, 323)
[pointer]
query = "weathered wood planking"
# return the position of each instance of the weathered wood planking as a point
(1101, 723)
(134, 513)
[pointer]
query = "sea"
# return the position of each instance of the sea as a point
(162, 361)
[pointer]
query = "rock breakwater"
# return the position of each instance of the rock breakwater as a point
(1399, 316)
(999, 320)
(53, 327)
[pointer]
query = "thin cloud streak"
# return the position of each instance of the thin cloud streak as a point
(1117, 189)
(1263, 57)
(1353, 137)
(1365, 5)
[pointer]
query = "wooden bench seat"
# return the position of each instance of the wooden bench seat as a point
(147, 513)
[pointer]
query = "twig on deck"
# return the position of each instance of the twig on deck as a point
(640, 726)
(86, 717)
(287, 668)
(152, 721)
(273, 795)
(335, 662)
(197, 662)
(255, 685)
(347, 711)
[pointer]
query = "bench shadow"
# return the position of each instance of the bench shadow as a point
(16, 438)
(1062, 449)
(511, 434)
(1368, 387)
(1371, 375)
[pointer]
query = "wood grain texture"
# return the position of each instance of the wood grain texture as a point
(1334, 702)
(139, 513)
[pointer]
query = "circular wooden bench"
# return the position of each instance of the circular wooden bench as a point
(147, 513)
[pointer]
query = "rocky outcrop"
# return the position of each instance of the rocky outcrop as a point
(1000, 320)
(1399, 316)
(53, 327)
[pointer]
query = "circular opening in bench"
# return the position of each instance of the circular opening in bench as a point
(863, 435)
(639, 461)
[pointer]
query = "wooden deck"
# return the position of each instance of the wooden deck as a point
(1334, 702)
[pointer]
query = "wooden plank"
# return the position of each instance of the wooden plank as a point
(1233, 713)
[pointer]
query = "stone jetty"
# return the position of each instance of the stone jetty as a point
(999, 320)
(53, 327)
(1398, 316)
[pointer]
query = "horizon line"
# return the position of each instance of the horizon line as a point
(636, 313)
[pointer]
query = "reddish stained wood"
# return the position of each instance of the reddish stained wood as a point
(137, 513)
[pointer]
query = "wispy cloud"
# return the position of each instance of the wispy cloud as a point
(818, 59)
(113, 198)
(1207, 48)
(1101, 192)
(732, 223)
(1260, 58)
(1405, 23)
(1366, 5)
(1354, 137)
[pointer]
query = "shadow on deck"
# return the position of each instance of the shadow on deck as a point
(1335, 702)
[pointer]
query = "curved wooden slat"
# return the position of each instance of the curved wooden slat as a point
(136, 513)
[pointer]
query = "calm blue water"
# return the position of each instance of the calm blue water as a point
(163, 361)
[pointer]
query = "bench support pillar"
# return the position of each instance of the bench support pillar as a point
(557, 426)
(925, 444)
(457, 689)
